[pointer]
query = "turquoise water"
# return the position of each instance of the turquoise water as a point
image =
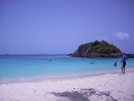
(34, 67)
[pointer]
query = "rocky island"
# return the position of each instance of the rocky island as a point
(98, 49)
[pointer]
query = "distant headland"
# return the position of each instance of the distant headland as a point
(98, 49)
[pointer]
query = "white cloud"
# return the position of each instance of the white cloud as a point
(122, 36)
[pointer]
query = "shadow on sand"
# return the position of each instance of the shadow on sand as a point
(86, 95)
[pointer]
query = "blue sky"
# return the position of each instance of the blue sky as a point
(60, 26)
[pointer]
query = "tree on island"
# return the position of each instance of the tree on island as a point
(97, 49)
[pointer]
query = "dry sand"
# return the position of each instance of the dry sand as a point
(108, 87)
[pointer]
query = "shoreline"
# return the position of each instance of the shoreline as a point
(111, 87)
(62, 77)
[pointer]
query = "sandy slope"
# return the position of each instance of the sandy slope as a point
(109, 87)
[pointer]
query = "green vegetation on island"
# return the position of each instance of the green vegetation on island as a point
(97, 49)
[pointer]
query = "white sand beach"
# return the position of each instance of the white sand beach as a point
(108, 87)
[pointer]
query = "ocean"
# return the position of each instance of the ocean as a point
(24, 68)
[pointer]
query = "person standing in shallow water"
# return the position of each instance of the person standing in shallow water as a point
(123, 62)
(115, 64)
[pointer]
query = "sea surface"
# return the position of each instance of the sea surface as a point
(23, 68)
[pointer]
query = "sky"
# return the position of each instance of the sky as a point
(61, 26)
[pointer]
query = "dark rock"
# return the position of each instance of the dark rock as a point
(115, 55)
(130, 55)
